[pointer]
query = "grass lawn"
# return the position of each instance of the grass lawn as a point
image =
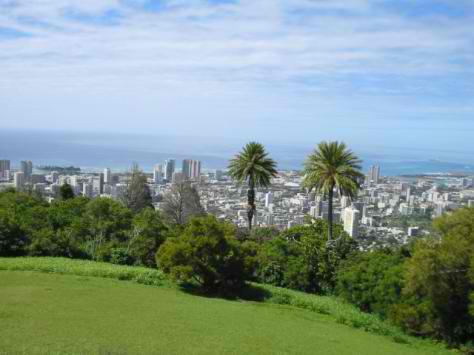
(66, 314)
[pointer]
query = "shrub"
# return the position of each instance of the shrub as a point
(120, 256)
(148, 233)
(299, 258)
(372, 281)
(206, 253)
(438, 284)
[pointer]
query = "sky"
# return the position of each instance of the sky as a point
(373, 73)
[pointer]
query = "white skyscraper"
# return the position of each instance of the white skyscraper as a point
(345, 202)
(87, 189)
(158, 174)
(268, 199)
(19, 180)
(169, 168)
(107, 176)
(351, 221)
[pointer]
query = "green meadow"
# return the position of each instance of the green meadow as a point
(84, 307)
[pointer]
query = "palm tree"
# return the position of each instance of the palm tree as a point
(253, 166)
(332, 165)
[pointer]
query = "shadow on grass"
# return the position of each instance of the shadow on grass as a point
(248, 292)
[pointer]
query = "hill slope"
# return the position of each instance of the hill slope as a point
(64, 314)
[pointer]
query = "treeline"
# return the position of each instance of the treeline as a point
(426, 288)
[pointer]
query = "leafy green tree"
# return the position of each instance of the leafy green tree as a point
(299, 258)
(373, 281)
(253, 166)
(20, 216)
(148, 233)
(206, 253)
(62, 213)
(332, 165)
(66, 192)
(263, 234)
(13, 240)
(104, 221)
(136, 195)
(438, 284)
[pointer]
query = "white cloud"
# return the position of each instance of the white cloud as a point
(268, 52)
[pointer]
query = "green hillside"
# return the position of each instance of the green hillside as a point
(65, 314)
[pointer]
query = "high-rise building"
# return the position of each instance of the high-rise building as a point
(4, 169)
(107, 176)
(87, 189)
(158, 174)
(351, 221)
(374, 174)
(98, 184)
(345, 202)
(169, 168)
(54, 176)
(268, 199)
(191, 169)
(19, 180)
(27, 169)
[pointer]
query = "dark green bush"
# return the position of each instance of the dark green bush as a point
(373, 281)
(206, 253)
(300, 258)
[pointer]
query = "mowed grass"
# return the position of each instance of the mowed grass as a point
(44, 313)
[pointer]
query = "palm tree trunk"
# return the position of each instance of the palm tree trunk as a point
(250, 204)
(330, 215)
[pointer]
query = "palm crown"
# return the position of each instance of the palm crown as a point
(333, 165)
(252, 165)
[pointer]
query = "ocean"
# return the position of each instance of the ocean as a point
(94, 151)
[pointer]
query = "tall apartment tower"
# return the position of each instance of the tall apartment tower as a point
(169, 168)
(19, 180)
(191, 169)
(27, 169)
(107, 176)
(345, 202)
(158, 174)
(351, 221)
(374, 174)
(4, 169)
(268, 199)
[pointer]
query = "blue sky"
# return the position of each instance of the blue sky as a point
(373, 73)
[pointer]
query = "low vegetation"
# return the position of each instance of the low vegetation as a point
(66, 266)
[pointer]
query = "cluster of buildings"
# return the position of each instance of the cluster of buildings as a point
(387, 210)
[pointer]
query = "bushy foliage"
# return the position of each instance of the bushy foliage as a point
(300, 257)
(79, 228)
(438, 282)
(372, 281)
(206, 252)
(148, 233)
(20, 216)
